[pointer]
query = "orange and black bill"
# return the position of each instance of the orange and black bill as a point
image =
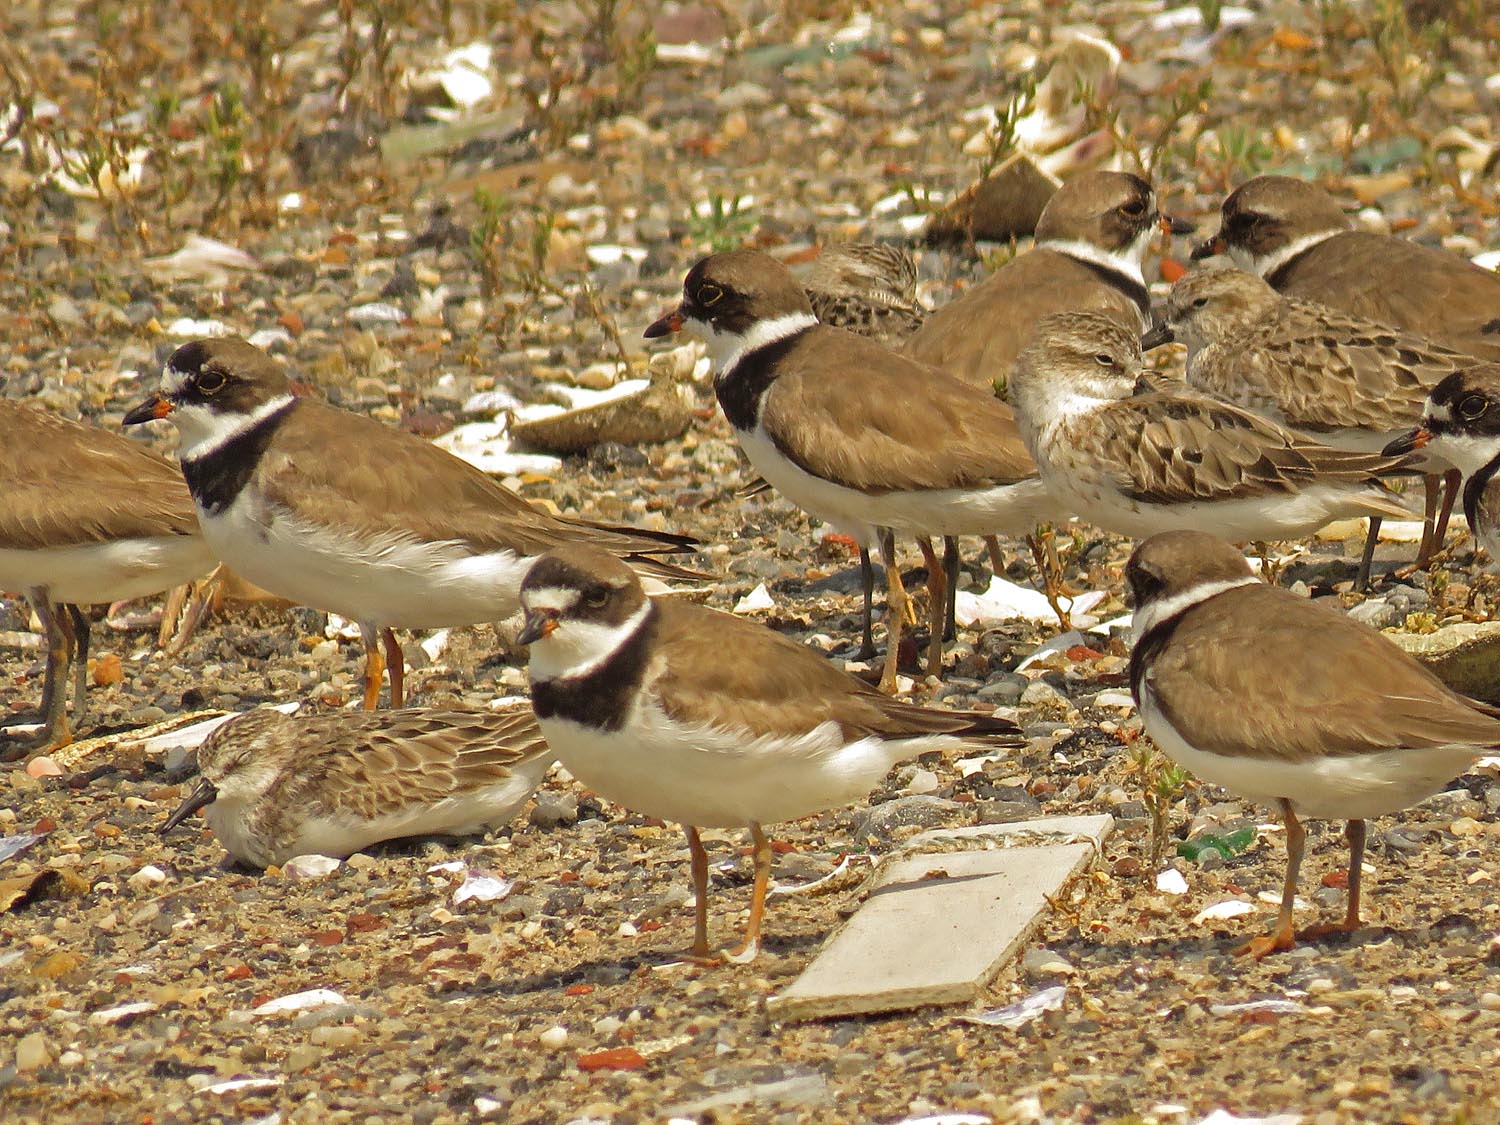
(1407, 443)
(1207, 249)
(665, 325)
(149, 411)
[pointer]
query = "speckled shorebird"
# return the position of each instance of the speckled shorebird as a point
(1089, 254)
(1346, 380)
(1137, 461)
(273, 786)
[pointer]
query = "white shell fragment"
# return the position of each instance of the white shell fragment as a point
(758, 600)
(483, 886)
(1006, 601)
(122, 1012)
(299, 1002)
(1023, 1011)
(235, 1084)
(14, 845)
(838, 877)
(1223, 911)
(1171, 881)
(185, 327)
(310, 867)
(486, 446)
(1251, 1007)
(464, 74)
(202, 257)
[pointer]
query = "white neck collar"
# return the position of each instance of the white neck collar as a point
(576, 648)
(1268, 264)
(726, 349)
(1126, 262)
(1164, 609)
(201, 432)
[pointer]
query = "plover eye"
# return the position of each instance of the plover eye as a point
(709, 294)
(1104, 359)
(1472, 406)
(1201, 302)
(210, 380)
(1134, 209)
(595, 596)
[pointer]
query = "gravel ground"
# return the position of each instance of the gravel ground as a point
(564, 1000)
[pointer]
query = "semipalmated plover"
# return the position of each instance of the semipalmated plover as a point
(1091, 243)
(1288, 702)
(1461, 424)
(685, 713)
(1293, 234)
(1350, 382)
(870, 288)
(86, 516)
(853, 433)
(333, 510)
(273, 786)
(1137, 458)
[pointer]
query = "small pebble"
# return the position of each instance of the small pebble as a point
(148, 876)
(32, 1052)
(554, 1038)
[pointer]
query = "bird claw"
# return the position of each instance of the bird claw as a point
(1266, 944)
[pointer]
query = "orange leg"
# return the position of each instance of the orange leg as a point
(897, 610)
(395, 662)
(1283, 936)
(1051, 573)
(1452, 481)
(937, 606)
(1354, 832)
(699, 859)
(374, 667)
(763, 857)
(58, 627)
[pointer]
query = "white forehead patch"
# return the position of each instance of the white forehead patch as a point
(172, 380)
(1437, 412)
(555, 598)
